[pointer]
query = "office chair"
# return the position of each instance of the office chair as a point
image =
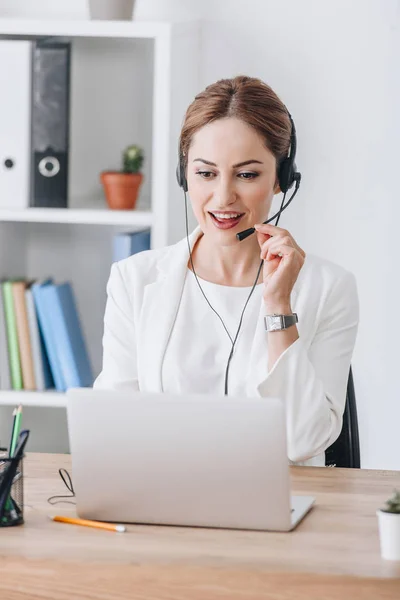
(345, 451)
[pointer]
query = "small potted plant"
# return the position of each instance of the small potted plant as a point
(121, 187)
(389, 527)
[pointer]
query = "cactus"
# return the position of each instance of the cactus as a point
(393, 504)
(132, 159)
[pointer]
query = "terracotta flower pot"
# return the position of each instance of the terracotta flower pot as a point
(121, 189)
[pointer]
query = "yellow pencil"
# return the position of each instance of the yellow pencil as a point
(87, 523)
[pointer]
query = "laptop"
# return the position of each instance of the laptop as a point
(184, 460)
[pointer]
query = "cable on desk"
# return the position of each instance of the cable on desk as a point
(65, 476)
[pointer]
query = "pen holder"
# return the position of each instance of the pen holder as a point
(11, 503)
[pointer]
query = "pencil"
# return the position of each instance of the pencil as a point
(16, 430)
(87, 523)
(12, 431)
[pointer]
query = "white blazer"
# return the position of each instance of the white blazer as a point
(310, 376)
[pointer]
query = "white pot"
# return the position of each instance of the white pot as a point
(389, 534)
(111, 10)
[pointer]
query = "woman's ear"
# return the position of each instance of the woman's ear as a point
(277, 189)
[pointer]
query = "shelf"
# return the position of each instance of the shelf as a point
(48, 398)
(86, 215)
(87, 28)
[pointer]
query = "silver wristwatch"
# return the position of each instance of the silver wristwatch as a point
(279, 322)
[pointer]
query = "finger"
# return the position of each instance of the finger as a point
(262, 238)
(265, 228)
(281, 250)
(273, 241)
(270, 229)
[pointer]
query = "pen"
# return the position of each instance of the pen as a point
(16, 430)
(12, 430)
(87, 523)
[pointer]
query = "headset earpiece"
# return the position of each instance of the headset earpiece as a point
(181, 175)
(287, 172)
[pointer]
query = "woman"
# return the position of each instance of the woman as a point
(172, 316)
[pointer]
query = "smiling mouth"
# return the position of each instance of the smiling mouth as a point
(226, 220)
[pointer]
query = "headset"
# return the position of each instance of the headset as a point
(288, 175)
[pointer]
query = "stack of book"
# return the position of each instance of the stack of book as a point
(41, 339)
(131, 242)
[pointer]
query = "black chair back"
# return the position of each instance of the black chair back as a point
(345, 451)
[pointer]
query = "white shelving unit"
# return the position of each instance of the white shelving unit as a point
(49, 398)
(80, 216)
(130, 83)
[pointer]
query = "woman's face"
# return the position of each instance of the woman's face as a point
(231, 178)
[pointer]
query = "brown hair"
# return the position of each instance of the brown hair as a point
(245, 98)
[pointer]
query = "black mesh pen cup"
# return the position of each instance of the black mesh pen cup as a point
(11, 490)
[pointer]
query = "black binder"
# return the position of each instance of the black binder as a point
(50, 124)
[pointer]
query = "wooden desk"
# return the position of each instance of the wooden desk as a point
(334, 553)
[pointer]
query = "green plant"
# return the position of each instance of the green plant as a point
(132, 159)
(393, 504)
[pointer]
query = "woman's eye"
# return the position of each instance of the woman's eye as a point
(205, 174)
(248, 175)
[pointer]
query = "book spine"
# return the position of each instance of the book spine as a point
(24, 341)
(12, 338)
(70, 344)
(5, 380)
(127, 244)
(45, 322)
(35, 341)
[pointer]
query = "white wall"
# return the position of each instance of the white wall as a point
(335, 65)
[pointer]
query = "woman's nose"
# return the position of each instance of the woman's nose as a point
(224, 192)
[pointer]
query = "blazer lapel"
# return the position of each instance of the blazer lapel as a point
(160, 305)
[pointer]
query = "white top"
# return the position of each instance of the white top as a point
(200, 367)
(310, 376)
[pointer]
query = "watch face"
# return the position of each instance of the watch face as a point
(274, 323)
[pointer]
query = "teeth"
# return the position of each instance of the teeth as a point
(226, 215)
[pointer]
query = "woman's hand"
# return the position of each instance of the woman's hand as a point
(283, 260)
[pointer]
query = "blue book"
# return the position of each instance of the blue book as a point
(68, 339)
(43, 377)
(126, 244)
(45, 327)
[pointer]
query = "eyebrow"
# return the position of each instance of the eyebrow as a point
(241, 164)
